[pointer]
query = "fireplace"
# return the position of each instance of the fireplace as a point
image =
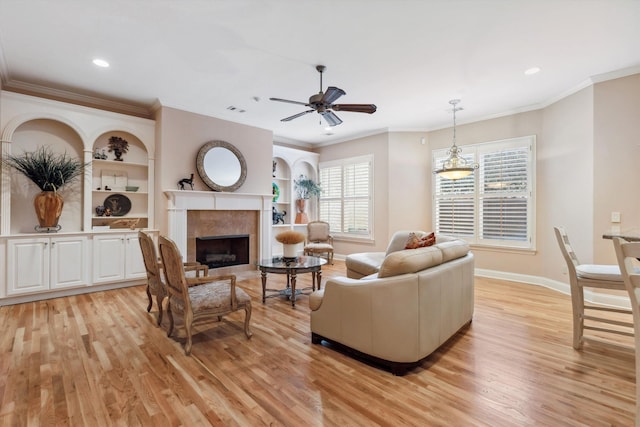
(222, 251)
(193, 214)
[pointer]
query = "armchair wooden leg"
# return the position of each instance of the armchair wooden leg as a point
(160, 298)
(150, 299)
(188, 320)
(170, 330)
(247, 319)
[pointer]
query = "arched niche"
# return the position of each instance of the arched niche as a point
(137, 152)
(60, 138)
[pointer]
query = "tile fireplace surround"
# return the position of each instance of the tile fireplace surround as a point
(214, 209)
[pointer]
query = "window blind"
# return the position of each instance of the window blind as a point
(345, 202)
(493, 206)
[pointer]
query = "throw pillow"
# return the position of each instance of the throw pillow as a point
(415, 242)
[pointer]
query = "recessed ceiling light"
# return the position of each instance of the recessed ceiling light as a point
(531, 71)
(100, 63)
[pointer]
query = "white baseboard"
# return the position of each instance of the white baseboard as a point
(617, 301)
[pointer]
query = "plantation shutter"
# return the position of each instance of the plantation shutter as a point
(504, 194)
(494, 206)
(455, 203)
(346, 202)
(331, 197)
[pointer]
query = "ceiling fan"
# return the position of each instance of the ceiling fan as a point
(322, 102)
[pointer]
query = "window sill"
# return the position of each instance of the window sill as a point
(503, 249)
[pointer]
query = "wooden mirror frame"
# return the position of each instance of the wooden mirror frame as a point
(208, 177)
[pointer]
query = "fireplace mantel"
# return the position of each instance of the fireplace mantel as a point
(181, 201)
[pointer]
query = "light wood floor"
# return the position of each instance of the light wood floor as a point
(98, 359)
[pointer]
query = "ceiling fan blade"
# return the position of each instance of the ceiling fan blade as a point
(290, 102)
(332, 94)
(356, 108)
(331, 118)
(295, 116)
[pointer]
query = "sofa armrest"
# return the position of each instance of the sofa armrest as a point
(377, 317)
(363, 264)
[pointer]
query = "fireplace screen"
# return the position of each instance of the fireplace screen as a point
(222, 251)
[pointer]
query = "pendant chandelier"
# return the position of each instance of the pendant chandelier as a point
(455, 167)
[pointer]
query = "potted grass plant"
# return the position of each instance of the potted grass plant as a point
(290, 240)
(50, 172)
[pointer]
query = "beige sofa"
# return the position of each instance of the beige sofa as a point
(414, 301)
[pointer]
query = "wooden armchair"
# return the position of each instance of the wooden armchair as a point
(155, 282)
(199, 299)
(319, 240)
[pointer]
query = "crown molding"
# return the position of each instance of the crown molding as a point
(75, 98)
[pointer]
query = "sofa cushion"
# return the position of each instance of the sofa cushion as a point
(399, 240)
(453, 249)
(410, 261)
(416, 242)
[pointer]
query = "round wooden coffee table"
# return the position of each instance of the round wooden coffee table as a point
(291, 267)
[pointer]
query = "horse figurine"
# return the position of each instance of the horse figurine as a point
(277, 216)
(187, 181)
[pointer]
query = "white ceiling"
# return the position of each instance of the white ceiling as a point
(409, 57)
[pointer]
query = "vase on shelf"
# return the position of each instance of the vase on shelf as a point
(48, 206)
(301, 216)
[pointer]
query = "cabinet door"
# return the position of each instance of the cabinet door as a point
(27, 265)
(69, 262)
(108, 258)
(134, 263)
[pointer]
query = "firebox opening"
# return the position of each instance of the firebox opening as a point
(222, 251)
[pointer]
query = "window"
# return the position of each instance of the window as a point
(495, 205)
(346, 199)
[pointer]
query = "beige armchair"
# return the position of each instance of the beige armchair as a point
(319, 240)
(199, 299)
(155, 282)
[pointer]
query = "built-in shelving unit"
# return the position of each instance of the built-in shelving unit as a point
(90, 252)
(290, 163)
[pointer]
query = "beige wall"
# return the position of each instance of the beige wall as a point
(378, 146)
(617, 157)
(587, 154)
(565, 182)
(180, 135)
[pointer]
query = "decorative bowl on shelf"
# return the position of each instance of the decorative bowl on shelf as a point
(131, 188)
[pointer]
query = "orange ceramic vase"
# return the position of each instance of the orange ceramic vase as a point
(301, 216)
(48, 206)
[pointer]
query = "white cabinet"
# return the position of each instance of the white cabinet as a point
(42, 264)
(117, 257)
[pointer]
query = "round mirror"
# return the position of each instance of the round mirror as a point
(221, 166)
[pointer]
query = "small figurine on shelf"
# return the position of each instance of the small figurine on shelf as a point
(277, 216)
(107, 212)
(96, 154)
(100, 210)
(103, 156)
(119, 146)
(186, 181)
(107, 188)
(274, 168)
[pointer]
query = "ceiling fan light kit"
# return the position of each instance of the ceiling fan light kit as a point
(322, 103)
(455, 166)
